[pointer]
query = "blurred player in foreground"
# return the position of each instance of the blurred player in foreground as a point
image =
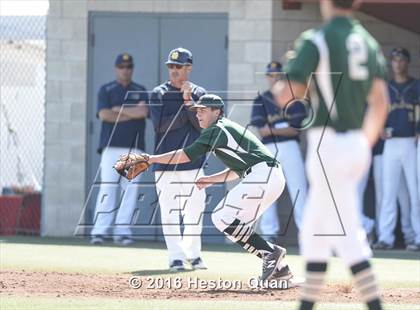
(262, 180)
(349, 70)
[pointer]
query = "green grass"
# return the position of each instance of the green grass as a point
(394, 269)
(14, 303)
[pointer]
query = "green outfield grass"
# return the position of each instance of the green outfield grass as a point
(394, 269)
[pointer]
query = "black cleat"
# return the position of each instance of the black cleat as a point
(176, 265)
(272, 261)
(284, 273)
(197, 263)
(382, 246)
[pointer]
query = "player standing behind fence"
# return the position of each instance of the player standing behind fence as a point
(399, 157)
(349, 70)
(120, 132)
(280, 135)
(176, 127)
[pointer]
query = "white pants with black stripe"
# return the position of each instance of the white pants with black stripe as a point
(249, 199)
(331, 218)
(179, 197)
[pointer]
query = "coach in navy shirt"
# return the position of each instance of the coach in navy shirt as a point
(122, 131)
(176, 127)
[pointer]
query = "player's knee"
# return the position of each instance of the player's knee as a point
(218, 222)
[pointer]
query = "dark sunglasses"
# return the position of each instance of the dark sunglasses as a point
(172, 66)
(125, 67)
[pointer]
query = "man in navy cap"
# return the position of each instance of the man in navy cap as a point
(122, 130)
(399, 154)
(177, 127)
(280, 135)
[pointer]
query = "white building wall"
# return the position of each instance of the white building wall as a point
(259, 31)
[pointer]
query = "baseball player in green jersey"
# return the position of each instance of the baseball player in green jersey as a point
(344, 68)
(262, 181)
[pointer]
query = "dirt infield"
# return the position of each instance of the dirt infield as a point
(58, 284)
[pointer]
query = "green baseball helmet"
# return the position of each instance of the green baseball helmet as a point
(209, 101)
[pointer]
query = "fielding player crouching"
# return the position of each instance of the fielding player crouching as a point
(262, 180)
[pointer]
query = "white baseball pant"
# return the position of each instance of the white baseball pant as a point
(109, 204)
(402, 198)
(331, 219)
(179, 197)
(399, 156)
(249, 199)
(290, 157)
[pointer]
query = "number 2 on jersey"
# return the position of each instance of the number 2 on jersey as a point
(357, 57)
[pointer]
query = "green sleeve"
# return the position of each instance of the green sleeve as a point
(304, 62)
(205, 143)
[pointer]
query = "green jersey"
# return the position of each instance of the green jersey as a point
(237, 147)
(343, 59)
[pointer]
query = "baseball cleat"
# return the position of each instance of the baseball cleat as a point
(176, 265)
(283, 273)
(413, 247)
(382, 246)
(96, 240)
(197, 263)
(126, 241)
(272, 261)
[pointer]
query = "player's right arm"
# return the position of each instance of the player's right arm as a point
(198, 148)
(171, 158)
(378, 100)
(377, 111)
(104, 108)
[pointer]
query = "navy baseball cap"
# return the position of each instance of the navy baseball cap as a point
(209, 101)
(400, 51)
(180, 56)
(124, 58)
(273, 67)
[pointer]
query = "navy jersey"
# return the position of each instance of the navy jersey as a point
(175, 126)
(404, 99)
(129, 134)
(266, 112)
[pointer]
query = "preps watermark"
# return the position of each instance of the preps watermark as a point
(195, 283)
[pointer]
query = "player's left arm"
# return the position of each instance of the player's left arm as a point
(377, 111)
(220, 177)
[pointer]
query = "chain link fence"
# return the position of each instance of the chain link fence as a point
(22, 114)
